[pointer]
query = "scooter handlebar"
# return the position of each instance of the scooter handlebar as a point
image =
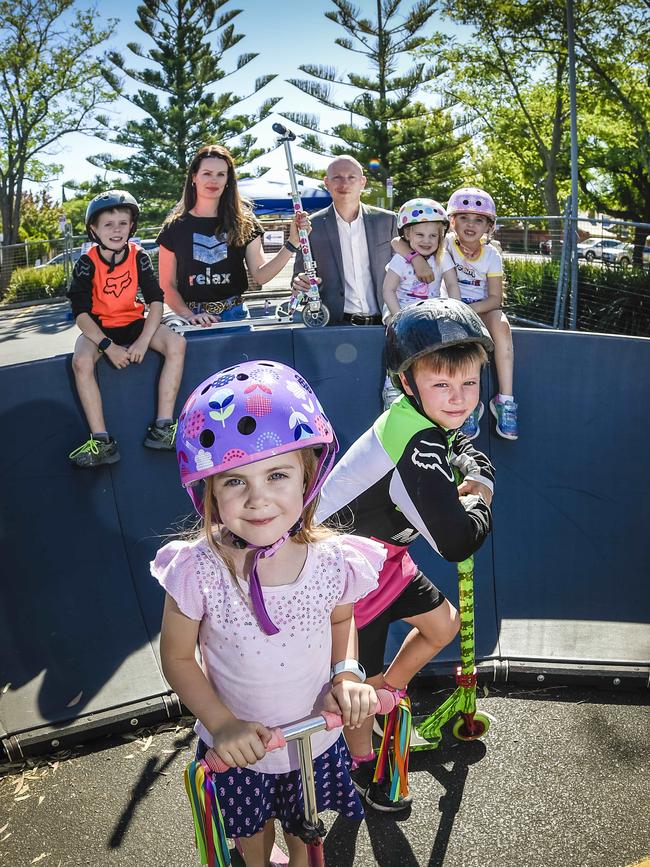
(386, 701)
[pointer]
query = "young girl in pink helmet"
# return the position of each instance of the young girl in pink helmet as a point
(268, 596)
(479, 270)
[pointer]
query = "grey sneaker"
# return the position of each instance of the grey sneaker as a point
(94, 453)
(161, 437)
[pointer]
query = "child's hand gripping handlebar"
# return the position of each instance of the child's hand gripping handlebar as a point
(386, 701)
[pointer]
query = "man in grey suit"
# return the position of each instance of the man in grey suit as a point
(350, 243)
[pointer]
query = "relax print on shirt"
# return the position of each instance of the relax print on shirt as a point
(117, 285)
(431, 460)
(209, 279)
(208, 248)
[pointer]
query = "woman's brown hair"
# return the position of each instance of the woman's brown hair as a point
(234, 214)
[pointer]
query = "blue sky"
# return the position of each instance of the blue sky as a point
(285, 34)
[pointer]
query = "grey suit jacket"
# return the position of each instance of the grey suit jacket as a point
(380, 226)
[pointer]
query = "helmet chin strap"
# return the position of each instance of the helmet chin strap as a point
(111, 264)
(416, 393)
(255, 588)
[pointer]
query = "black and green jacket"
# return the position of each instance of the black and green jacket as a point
(397, 481)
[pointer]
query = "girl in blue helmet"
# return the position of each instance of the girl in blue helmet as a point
(268, 596)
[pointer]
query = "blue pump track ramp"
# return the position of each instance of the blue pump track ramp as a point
(561, 585)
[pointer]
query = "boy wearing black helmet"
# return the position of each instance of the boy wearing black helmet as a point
(103, 296)
(398, 482)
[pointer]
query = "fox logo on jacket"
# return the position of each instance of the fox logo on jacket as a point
(117, 285)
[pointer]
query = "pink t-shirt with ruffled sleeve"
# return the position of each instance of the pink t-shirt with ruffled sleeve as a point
(273, 679)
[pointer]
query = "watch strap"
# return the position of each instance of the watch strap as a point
(291, 247)
(411, 256)
(104, 343)
(349, 665)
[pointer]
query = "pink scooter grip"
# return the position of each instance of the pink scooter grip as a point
(213, 761)
(386, 701)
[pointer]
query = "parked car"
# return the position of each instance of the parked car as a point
(594, 248)
(147, 244)
(621, 255)
(60, 258)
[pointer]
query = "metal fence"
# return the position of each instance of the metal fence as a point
(609, 292)
(610, 288)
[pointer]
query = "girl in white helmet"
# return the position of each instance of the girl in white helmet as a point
(422, 224)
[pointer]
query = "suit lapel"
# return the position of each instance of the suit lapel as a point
(371, 240)
(335, 243)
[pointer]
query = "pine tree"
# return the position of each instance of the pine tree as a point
(386, 101)
(183, 112)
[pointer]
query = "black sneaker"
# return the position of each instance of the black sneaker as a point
(94, 453)
(161, 437)
(362, 777)
(376, 794)
(378, 798)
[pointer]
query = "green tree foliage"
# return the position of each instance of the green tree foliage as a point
(430, 152)
(176, 95)
(516, 55)
(50, 85)
(384, 101)
(39, 217)
(614, 124)
(505, 159)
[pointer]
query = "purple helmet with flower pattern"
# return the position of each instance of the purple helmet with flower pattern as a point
(247, 413)
(472, 200)
(421, 211)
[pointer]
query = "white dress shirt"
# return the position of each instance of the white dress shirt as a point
(359, 290)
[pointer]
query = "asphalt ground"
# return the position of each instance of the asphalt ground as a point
(561, 780)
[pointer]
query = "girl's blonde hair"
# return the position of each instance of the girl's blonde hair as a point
(442, 231)
(309, 532)
(234, 213)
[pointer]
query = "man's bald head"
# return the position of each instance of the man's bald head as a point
(344, 181)
(343, 163)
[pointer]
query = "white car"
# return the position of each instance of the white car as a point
(593, 248)
(621, 255)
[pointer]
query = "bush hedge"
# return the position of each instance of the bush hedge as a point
(611, 300)
(30, 284)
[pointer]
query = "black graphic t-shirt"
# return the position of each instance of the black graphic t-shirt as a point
(207, 268)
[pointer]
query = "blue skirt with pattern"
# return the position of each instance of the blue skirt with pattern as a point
(249, 799)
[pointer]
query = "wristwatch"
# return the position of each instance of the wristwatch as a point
(104, 344)
(411, 256)
(351, 665)
(291, 247)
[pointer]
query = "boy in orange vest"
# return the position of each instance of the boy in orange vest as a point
(103, 296)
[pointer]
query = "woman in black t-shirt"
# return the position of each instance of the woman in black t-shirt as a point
(206, 239)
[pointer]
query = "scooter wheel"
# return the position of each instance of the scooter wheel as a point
(481, 726)
(315, 319)
(175, 323)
